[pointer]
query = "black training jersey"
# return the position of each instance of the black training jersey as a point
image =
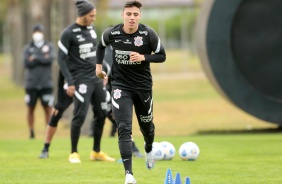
(131, 75)
(38, 72)
(77, 53)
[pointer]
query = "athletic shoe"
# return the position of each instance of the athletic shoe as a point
(129, 179)
(74, 158)
(137, 154)
(44, 154)
(101, 156)
(150, 160)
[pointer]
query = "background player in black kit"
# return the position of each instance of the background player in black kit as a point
(133, 45)
(76, 58)
(63, 102)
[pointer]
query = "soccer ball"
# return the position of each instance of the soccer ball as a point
(158, 151)
(189, 151)
(168, 149)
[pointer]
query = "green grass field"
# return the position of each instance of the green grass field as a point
(231, 158)
(235, 147)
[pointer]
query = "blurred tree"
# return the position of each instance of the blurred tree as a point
(40, 12)
(14, 19)
(102, 15)
(3, 8)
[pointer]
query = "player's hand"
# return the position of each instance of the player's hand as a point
(105, 81)
(31, 58)
(136, 57)
(46, 55)
(70, 90)
(101, 74)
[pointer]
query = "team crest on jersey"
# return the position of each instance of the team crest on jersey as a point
(93, 34)
(82, 88)
(138, 41)
(45, 49)
(117, 93)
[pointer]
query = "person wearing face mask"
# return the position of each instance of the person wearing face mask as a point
(38, 57)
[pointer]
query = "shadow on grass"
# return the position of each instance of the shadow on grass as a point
(245, 131)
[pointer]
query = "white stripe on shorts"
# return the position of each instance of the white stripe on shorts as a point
(115, 104)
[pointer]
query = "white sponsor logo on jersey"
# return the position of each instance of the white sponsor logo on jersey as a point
(122, 58)
(76, 30)
(127, 42)
(85, 51)
(144, 32)
(80, 38)
(115, 32)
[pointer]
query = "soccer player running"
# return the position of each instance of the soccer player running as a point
(76, 59)
(135, 46)
(107, 65)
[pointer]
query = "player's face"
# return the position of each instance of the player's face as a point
(89, 18)
(131, 17)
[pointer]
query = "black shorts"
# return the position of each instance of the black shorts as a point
(123, 101)
(45, 95)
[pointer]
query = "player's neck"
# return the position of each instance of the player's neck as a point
(79, 21)
(129, 30)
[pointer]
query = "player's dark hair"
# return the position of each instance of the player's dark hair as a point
(133, 3)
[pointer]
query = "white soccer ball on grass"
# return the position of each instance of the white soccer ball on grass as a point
(168, 149)
(158, 151)
(189, 151)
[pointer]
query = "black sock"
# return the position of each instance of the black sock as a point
(32, 134)
(126, 155)
(148, 147)
(75, 133)
(46, 147)
(127, 163)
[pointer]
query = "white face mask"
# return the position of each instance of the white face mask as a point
(37, 37)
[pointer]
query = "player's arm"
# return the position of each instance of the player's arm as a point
(107, 69)
(64, 45)
(48, 57)
(159, 55)
(100, 54)
(29, 60)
